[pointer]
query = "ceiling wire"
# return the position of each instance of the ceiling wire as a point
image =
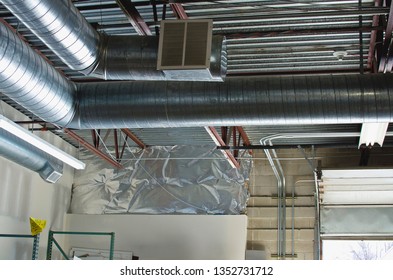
(103, 143)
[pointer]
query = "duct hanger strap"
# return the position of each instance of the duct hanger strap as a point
(325, 99)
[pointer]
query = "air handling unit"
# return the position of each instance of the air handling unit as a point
(187, 49)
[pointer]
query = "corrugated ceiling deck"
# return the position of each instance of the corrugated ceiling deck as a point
(266, 37)
(263, 37)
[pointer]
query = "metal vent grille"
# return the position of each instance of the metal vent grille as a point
(53, 177)
(185, 44)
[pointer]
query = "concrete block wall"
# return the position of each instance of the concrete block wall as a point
(262, 207)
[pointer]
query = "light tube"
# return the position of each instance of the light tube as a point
(39, 143)
(373, 133)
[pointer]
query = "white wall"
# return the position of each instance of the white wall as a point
(23, 193)
(164, 236)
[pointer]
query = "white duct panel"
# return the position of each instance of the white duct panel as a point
(356, 220)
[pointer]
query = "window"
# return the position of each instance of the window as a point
(357, 249)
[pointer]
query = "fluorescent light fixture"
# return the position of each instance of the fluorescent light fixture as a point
(39, 143)
(373, 133)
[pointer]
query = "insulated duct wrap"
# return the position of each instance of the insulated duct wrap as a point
(62, 28)
(327, 99)
(30, 81)
(162, 180)
(26, 155)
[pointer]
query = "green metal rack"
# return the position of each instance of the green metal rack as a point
(36, 241)
(52, 240)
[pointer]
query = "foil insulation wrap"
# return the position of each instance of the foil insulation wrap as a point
(163, 180)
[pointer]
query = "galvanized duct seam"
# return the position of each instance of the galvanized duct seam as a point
(26, 155)
(326, 99)
(61, 26)
(31, 82)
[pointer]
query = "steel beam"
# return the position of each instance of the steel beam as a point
(91, 148)
(383, 63)
(124, 148)
(244, 136)
(155, 17)
(134, 138)
(373, 39)
(235, 142)
(94, 136)
(116, 144)
(224, 134)
(134, 17)
(179, 11)
(219, 142)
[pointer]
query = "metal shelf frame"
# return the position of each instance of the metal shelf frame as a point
(36, 241)
(52, 240)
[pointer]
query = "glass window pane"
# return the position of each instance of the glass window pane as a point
(357, 250)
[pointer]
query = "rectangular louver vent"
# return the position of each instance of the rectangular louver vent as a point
(53, 177)
(184, 44)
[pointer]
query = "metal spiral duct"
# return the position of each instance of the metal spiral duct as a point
(135, 58)
(24, 154)
(30, 81)
(326, 99)
(61, 26)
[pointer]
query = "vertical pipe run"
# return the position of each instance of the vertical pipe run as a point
(281, 200)
(293, 222)
(317, 228)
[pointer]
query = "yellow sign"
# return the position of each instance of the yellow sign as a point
(36, 226)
